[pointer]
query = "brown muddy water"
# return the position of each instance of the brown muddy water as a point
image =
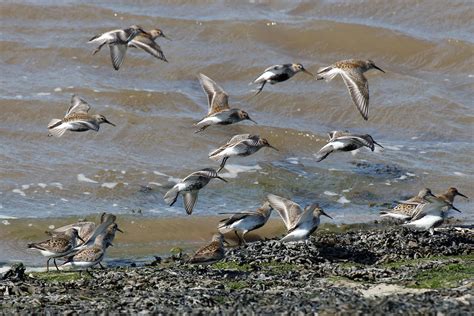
(421, 109)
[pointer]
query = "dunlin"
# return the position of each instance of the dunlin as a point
(146, 41)
(405, 210)
(190, 186)
(118, 41)
(245, 222)
(219, 112)
(345, 141)
(240, 145)
(84, 229)
(278, 73)
(89, 256)
(210, 253)
(58, 246)
(77, 119)
(300, 223)
(430, 214)
(110, 234)
(352, 72)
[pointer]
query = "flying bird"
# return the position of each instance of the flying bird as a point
(77, 119)
(299, 222)
(118, 41)
(146, 41)
(189, 187)
(245, 222)
(352, 72)
(278, 73)
(240, 145)
(219, 112)
(345, 141)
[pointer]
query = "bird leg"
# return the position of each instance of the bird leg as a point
(101, 266)
(259, 89)
(98, 48)
(243, 237)
(47, 265)
(222, 164)
(89, 273)
(238, 237)
(55, 264)
(202, 128)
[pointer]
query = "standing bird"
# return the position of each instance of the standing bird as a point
(84, 230)
(110, 234)
(300, 223)
(219, 112)
(89, 256)
(278, 73)
(210, 253)
(77, 119)
(58, 246)
(405, 210)
(189, 188)
(431, 214)
(118, 41)
(450, 194)
(245, 221)
(146, 41)
(240, 145)
(345, 141)
(352, 72)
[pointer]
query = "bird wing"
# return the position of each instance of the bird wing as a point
(78, 105)
(361, 139)
(207, 173)
(288, 210)
(358, 87)
(234, 141)
(117, 53)
(274, 67)
(149, 46)
(324, 152)
(189, 199)
(217, 98)
(305, 216)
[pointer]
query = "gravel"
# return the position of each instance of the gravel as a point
(334, 273)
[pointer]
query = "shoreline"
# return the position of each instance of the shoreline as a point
(371, 271)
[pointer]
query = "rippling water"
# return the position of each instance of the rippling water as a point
(421, 110)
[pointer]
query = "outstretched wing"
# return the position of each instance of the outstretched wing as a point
(288, 210)
(78, 105)
(149, 46)
(117, 53)
(217, 98)
(358, 87)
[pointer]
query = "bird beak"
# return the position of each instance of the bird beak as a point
(462, 195)
(221, 179)
(379, 69)
(456, 209)
(273, 147)
(119, 230)
(109, 123)
(378, 144)
(164, 36)
(252, 121)
(324, 213)
(307, 72)
(79, 237)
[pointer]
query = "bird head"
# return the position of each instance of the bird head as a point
(265, 143)
(454, 192)
(101, 119)
(155, 33)
(300, 67)
(318, 211)
(371, 65)
(245, 116)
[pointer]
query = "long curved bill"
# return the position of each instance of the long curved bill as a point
(307, 72)
(325, 214)
(462, 195)
(378, 144)
(253, 121)
(273, 147)
(164, 36)
(221, 179)
(379, 69)
(109, 123)
(119, 230)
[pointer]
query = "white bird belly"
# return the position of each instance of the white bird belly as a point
(296, 235)
(426, 222)
(209, 121)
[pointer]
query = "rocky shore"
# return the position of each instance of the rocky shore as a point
(372, 272)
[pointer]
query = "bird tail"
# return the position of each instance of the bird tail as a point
(222, 226)
(171, 196)
(54, 123)
(327, 73)
(56, 128)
